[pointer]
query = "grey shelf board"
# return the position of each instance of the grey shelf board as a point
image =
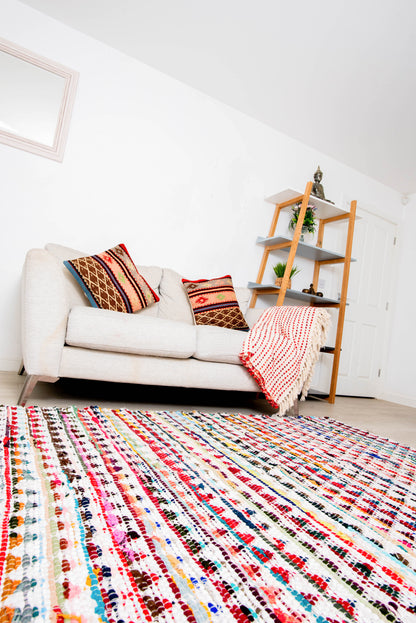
(304, 249)
(293, 294)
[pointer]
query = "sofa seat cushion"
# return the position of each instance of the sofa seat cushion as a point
(101, 329)
(218, 344)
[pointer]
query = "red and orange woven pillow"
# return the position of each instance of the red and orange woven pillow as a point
(214, 302)
(110, 280)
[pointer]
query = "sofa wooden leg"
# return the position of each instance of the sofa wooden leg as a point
(28, 388)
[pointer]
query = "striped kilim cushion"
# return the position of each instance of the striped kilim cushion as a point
(214, 302)
(110, 280)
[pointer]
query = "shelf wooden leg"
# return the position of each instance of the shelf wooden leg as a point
(253, 300)
(317, 266)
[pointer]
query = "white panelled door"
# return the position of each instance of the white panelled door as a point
(369, 302)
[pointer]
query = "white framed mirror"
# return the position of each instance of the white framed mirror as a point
(37, 97)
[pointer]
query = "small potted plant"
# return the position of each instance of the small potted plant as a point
(279, 270)
(309, 222)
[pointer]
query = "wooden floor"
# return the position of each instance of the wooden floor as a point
(386, 419)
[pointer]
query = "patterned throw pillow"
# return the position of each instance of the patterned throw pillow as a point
(110, 280)
(214, 302)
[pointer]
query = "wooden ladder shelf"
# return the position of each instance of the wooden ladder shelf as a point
(326, 213)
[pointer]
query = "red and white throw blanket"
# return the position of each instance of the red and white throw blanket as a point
(281, 350)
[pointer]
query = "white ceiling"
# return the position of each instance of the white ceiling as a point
(339, 75)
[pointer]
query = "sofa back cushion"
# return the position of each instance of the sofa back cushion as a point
(167, 283)
(174, 303)
(243, 297)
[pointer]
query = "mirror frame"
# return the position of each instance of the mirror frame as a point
(55, 151)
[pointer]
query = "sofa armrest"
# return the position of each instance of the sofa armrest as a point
(45, 309)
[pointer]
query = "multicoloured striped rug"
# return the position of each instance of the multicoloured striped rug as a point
(191, 517)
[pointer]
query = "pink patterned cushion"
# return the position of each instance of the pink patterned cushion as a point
(214, 302)
(110, 280)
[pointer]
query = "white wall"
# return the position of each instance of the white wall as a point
(177, 176)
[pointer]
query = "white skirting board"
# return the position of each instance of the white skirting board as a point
(401, 399)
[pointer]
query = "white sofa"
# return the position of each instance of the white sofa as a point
(63, 336)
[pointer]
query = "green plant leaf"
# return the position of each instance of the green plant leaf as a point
(309, 222)
(280, 268)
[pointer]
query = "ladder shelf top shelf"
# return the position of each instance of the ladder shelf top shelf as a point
(325, 209)
(311, 252)
(293, 294)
